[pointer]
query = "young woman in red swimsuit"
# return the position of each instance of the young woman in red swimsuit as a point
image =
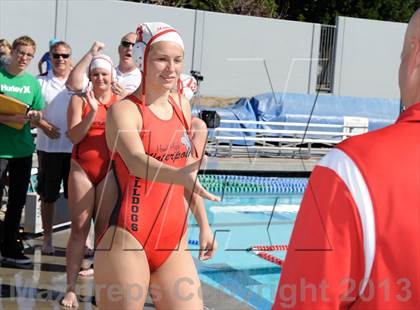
(89, 165)
(145, 246)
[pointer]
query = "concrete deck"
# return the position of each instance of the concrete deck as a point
(42, 284)
(261, 166)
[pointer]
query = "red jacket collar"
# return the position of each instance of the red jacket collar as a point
(412, 114)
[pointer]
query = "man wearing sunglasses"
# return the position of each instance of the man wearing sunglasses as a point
(46, 58)
(127, 76)
(17, 145)
(53, 146)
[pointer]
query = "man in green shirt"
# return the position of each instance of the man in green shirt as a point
(17, 145)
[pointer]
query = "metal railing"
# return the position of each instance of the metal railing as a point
(288, 139)
(325, 75)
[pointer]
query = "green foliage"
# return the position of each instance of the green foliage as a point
(263, 8)
(317, 11)
(325, 11)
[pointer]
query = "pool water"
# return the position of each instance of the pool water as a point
(240, 222)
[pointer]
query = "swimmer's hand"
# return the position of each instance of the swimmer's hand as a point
(96, 48)
(93, 103)
(208, 243)
(118, 89)
(189, 180)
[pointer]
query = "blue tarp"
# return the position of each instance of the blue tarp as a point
(241, 110)
(289, 107)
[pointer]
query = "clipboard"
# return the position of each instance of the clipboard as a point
(9, 105)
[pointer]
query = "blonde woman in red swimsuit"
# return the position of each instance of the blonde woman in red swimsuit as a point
(145, 246)
(89, 165)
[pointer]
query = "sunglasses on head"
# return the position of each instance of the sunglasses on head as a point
(56, 56)
(127, 44)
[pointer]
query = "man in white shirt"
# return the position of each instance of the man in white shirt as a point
(127, 76)
(53, 146)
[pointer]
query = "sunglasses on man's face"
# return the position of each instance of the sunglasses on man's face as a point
(56, 56)
(127, 44)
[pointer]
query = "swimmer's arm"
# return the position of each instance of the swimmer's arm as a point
(199, 139)
(77, 75)
(207, 239)
(123, 126)
(196, 204)
(78, 127)
(208, 243)
(198, 129)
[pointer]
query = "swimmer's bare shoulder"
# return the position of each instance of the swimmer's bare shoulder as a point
(123, 115)
(124, 108)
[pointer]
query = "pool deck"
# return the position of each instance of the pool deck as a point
(41, 285)
(261, 166)
(252, 165)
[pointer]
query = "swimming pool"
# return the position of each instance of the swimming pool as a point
(242, 220)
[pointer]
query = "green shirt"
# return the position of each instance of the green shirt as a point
(16, 143)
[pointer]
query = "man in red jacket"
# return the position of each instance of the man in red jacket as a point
(355, 241)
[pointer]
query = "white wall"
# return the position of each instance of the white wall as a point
(236, 47)
(25, 17)
(80, 23)
(115, 18)
(286, 46)
(367, 58)
(228, 49)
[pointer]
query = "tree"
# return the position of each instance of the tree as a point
(325, 11)
(262, 8)
(315, 11)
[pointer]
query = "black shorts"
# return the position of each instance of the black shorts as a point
(52, 169)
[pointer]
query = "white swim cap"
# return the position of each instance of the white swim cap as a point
(150, 33)
(104, 62)
(189, 85)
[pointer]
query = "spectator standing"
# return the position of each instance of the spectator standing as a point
(17, 145)
(53, 146)
(46, 58)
